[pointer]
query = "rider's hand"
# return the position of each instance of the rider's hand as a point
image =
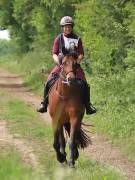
(56, 59)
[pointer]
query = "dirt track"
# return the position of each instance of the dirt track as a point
(101, 150)
(25, 151)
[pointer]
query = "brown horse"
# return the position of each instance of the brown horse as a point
(66, 108)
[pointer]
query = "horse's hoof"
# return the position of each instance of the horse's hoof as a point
(64, 164)
(71, 164)
(61, 157)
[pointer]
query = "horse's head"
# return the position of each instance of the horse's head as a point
(69, 66)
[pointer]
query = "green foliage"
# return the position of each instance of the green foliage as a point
(104, 29)
(7, 47)
(107, 29)
(31, 21)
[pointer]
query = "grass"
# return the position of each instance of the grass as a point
(33, 66)
(115, 99)
(24, 121)
(12, 167)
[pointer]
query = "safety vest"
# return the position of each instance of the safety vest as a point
(68, 44)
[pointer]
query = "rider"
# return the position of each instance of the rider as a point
(67, 41)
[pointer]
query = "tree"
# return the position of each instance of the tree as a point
(105, 30)
(34, 21)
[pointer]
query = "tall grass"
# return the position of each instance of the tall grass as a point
(114, 97)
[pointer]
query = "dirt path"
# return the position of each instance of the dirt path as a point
(26, 151)
(101, 150)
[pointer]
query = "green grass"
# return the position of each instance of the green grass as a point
(114, 97)
(24, 122)
(12, 167)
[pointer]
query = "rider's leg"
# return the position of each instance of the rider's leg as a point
(50, 81)
(89, 107)
(43, 106)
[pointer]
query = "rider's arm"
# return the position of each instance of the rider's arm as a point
(56, 59)
(55, 51)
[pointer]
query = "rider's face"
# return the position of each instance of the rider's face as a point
(67, 29)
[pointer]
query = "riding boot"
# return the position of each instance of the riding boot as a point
(43, 106)
(90, 109)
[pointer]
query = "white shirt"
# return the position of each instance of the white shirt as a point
(70, 43)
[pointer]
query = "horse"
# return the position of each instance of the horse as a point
(66, 108)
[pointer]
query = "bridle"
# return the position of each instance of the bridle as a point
(64, 79)
(63, 74)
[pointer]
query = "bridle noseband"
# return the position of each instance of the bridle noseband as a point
(64, 74)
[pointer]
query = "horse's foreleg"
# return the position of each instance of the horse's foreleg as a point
(73, 144)
(56, 143)
(60, 156)
(62, 143)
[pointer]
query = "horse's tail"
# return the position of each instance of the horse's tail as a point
(83, 140)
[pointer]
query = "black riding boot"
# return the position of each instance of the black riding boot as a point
(43, 106)
(89, 107)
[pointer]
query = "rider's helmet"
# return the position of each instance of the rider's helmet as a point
(66, 20)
